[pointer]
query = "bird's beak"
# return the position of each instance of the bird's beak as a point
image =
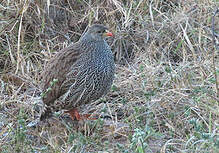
(107, 33)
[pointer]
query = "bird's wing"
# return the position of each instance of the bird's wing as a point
(55, 73)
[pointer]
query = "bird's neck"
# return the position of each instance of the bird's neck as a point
(87, 38)
(89, 44)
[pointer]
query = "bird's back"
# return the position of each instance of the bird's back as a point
(55, 72)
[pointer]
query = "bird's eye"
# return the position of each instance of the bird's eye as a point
(99, 31)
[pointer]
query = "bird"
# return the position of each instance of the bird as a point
(78, 74)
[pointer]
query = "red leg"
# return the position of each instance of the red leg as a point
(74, 114)
(87, 116)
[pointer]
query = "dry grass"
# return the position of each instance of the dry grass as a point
(165, 96)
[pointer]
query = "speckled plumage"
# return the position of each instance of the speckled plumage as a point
(84, 72)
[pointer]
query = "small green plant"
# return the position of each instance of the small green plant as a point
(52, 83)
(140, 138)
(202, 138)
(114, 88)
(22, 144)
(149, 94)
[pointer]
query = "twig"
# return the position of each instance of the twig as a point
(214, 35)
(18, 43)
(8, 25)
(19, 57)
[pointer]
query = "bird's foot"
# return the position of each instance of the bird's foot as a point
(89, 117)
(74, 114)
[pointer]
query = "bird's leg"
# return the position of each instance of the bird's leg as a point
(87, 116)
(74, 114)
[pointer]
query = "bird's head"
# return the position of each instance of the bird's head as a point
(97, 32)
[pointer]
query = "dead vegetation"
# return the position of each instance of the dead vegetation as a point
(164, 98)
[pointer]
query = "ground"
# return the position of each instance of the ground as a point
(165, 94)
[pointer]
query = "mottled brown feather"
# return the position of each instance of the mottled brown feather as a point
(57, 68)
